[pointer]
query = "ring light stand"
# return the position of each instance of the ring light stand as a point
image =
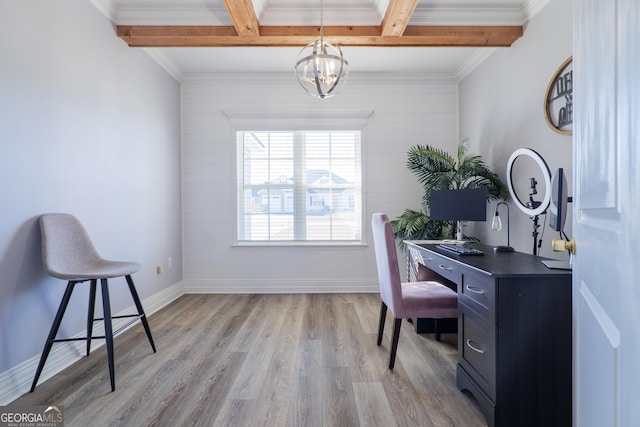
(531, 207)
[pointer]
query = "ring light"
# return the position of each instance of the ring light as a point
(546, 176)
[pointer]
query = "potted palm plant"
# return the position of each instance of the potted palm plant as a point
(437, 170)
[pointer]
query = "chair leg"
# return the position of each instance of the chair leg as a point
(397, 323)
(108, 331)
(143, 316)
(383, 315)
(436, 327)
(91, 313)
(53, 332)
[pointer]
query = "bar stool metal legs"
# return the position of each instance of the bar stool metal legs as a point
(54, 331)
(108, 326)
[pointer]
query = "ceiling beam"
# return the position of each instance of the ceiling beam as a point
(285, 36)
(243, 17)
(397, 16)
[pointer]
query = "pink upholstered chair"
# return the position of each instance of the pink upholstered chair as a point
(406, 300)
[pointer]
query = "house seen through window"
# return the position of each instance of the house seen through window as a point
(299, 186)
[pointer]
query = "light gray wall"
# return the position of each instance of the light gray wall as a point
(406, 111)
(501, 110)
(90, 127)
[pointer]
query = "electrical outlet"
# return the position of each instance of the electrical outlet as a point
(169, 262)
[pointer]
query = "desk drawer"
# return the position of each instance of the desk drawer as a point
(443, 266)
(477, 349)
(478, 292)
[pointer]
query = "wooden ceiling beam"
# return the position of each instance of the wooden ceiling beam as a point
(292, 36)
(243, 17)
(397, 16)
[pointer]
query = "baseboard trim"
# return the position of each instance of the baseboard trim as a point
(17, 381)
(279, 286)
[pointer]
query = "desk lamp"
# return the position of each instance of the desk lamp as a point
(496, 225)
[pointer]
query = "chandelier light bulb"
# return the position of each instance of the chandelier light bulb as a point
(321, 69)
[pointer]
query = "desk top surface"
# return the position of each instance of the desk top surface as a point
(497, 264)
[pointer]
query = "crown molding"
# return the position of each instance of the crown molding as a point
(531, 8)
(165, 62)
(474, 61)
(107, 7)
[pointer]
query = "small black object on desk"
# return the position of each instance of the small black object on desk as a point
(460, 249)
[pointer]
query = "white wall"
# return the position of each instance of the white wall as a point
(91, 127)
(501, 110)
(406, 111)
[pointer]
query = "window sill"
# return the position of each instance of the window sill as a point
(300, 244)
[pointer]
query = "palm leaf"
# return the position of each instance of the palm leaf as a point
(437, 170)
(416, 225)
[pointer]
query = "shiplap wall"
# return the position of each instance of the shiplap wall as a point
(406, 111)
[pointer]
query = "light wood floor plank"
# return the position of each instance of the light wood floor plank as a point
(432, 371)
(373, 405)
(408, 407)
(365, 365)
(278, 386)
(339, 399)
(187, 359)
(368, 310)
(306, 405)
(336, 323)
(260, 334)
(265, 360)
(241, 412)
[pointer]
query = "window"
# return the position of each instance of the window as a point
(299, 186)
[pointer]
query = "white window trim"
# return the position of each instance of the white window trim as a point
(293, 120)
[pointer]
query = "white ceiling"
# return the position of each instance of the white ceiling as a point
(182, 62)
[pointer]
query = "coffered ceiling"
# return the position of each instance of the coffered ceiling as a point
(243, 36)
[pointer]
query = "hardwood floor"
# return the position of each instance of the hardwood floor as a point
(265, 360)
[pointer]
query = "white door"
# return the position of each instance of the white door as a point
(606, 218)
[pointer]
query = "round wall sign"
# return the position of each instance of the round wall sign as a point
(558, 101)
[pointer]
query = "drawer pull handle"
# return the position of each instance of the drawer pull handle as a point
(444, 267)
(474, 348)
(474, 290)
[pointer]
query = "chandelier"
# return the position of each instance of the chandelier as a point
(321, 69)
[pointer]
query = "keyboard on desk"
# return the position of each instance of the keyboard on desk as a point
(459, 249)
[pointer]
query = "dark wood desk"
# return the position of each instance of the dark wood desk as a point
(514, 332)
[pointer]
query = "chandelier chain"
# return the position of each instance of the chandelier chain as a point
(321, 22)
